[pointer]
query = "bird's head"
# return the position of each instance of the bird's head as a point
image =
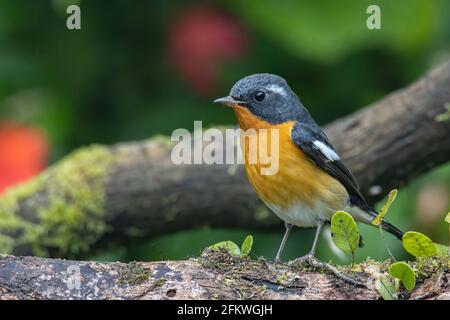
(266, 96)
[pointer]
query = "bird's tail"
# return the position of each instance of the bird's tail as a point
(392, 229)
(367, 214)
(387, 226)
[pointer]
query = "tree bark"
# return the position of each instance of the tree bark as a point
(130, 191)
(215, 275)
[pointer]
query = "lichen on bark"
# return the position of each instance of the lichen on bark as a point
(70, 208)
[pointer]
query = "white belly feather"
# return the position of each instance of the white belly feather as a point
(305, 216)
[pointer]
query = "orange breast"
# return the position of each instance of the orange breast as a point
(298, 179)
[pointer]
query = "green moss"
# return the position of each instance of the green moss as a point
(6, 244)
(283, 278)
(134, 273)
(445, 116)
(362, 267)
(248, 279)
(429, 267)
(69, 209)
(243, 278)
(159, 282)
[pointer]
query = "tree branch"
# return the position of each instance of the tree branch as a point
(105, 195)
(215, 275)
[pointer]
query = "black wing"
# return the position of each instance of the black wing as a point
(313, 141)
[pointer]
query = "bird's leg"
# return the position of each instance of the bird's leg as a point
(315, 263)
(288, 227)
(312, 252)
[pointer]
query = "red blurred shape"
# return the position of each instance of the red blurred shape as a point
(201, 39)
(23, 153)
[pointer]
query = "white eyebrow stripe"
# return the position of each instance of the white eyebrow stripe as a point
(277, 89)
(329, 153)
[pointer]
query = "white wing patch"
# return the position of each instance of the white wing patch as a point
(329, 153)
(277, 89)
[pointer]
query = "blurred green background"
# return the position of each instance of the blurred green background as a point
(140, 68)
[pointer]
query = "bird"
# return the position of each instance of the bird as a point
(312, 182)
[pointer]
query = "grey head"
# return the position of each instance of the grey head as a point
(267, 96)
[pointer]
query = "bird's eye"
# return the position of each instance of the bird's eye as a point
(260, 96)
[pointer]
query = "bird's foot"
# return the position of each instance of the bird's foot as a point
(306, 259)
(312, 261)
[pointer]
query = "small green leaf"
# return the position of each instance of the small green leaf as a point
(344, 232)
(419, 245)
(246, 246)
(230, 246)
(386, 288)
(384, 210)
(447, 218)
(403, 272)
(442, 250)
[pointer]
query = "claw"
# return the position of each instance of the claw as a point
(315, 263)
(302, 260)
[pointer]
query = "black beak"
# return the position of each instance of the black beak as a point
(228, 101)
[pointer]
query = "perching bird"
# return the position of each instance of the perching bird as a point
(312, 182)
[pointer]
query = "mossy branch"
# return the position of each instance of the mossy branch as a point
(109, 195)
(214, 275)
